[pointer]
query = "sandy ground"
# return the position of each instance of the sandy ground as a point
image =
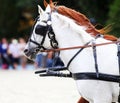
(23, 86)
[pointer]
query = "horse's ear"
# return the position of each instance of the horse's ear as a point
(40, 10)
(45, 3)
(48, 9)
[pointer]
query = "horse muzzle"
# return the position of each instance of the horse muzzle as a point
(30, 54)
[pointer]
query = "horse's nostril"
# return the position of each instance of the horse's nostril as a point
(37, 50)
(25, 51)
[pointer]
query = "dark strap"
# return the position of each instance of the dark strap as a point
(34, 42)
(118, 54)
(57, 74)
(76, 55)
(93, 76)
(52, 69)
(95, 59)
(94, 50)
(56, 55)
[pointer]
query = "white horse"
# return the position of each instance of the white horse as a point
(68, 33)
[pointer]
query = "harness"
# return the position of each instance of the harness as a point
(86, 75)
(78, 76)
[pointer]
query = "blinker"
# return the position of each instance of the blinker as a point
(41, 30)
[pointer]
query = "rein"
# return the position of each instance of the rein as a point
(77, 47)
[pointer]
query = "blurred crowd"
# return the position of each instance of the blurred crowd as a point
(46, 60)
(11, 55)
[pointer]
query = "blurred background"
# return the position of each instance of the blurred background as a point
(17, 18)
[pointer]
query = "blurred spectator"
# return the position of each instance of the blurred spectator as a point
(14, 52)
(44, 60)
(23, 59)
(57, 61)
(4, 54)
(40, 60)
(49, 60)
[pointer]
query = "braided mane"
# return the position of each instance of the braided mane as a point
(82, 20)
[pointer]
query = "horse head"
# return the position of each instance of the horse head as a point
(39, 38)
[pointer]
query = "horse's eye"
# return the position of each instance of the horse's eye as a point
(41, 30)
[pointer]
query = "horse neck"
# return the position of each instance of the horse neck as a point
(68, 32)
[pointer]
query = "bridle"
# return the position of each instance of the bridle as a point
(48, 31)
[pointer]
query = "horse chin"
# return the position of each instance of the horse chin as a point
(31, 56)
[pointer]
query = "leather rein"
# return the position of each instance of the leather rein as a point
(77, 47)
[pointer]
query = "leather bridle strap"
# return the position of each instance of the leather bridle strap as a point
(34, 42)
(76, 54)
(39, 45)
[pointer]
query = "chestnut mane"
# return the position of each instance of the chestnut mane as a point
(82, 20)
